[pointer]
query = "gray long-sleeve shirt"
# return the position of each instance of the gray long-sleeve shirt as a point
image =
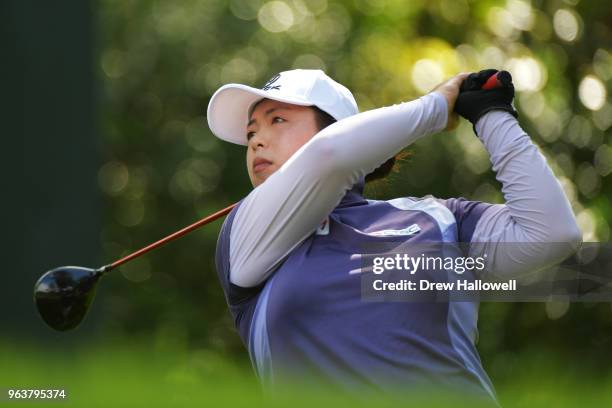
(287, 276)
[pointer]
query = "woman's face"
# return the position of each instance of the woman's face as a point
(275, 131)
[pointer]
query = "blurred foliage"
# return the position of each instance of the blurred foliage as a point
(141, 374)
(159, 62)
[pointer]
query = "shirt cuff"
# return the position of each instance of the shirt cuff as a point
(439, 113)
(490, 119)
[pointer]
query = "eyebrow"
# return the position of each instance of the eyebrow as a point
(269, 111)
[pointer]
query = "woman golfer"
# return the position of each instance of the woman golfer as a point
(286, 253)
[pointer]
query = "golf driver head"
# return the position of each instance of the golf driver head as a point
(63, 295)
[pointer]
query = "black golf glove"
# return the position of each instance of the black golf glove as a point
(473, 101)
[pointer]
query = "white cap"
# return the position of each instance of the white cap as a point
(228, 109)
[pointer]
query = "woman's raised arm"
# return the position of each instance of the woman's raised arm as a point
(536, 217)
(284, 210)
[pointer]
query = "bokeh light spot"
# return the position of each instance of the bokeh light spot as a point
(138, 270)
(587, 180)
(426, 74)
(455, 11)
(113, 63)
(579, 131)
(592, 92)
(566, 24)
(309, 61)
(521, 14)
(499, 22)
(532, 103)
(275, 16)
(555, 309)
(245, 9)
(238, 70)
(113, 177)
(587, 224)
(130, 212)
(193, 178)
(316, 6)
(602, 64)
(603, 160)
(602, 118)
(527, 73)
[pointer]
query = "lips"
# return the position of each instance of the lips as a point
(260, 164)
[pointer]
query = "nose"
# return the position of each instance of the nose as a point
(258, 140)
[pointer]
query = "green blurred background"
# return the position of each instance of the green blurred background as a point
(106, 100)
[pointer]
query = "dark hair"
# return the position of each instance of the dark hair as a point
(324, 119)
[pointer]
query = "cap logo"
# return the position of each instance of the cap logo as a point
(272, 80)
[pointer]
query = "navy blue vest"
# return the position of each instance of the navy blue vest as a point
(309, 316)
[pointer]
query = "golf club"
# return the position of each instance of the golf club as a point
(63, 295)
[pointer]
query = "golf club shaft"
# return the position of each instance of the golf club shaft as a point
(169, 238)
(493, 82)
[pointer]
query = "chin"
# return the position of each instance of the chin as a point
(260, 178)
(257, 179)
